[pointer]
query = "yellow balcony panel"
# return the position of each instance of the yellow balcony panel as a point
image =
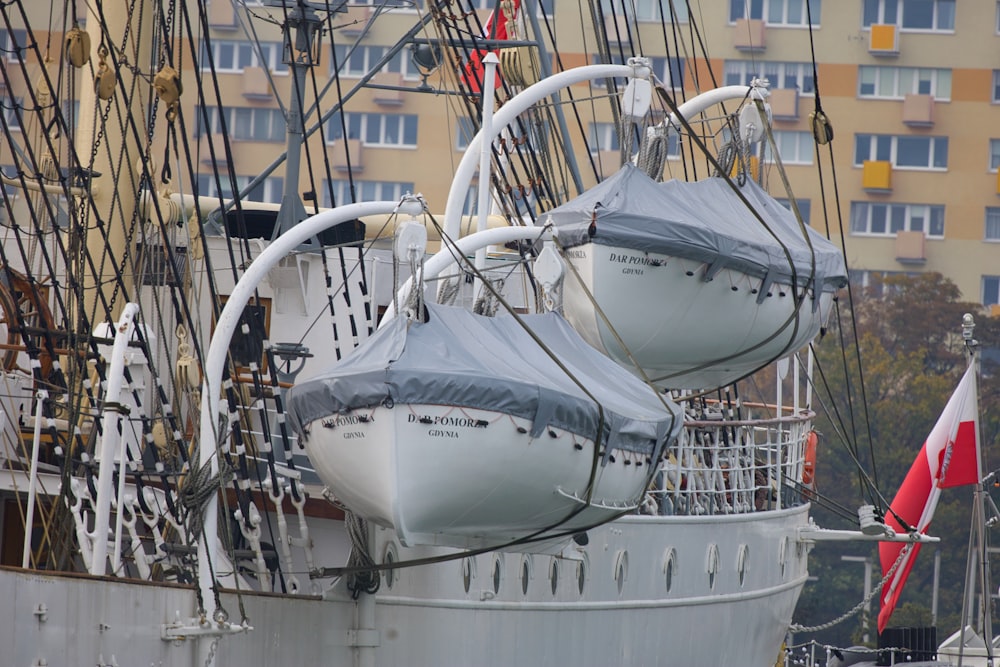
(749, 35)
(876, 176)
(753, 170)
(221, 15)
(616, 27)
(353, 21)
(884, 40)
(918, 110)
(998, 182)
(911, 247)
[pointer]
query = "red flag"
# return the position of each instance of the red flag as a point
(474, 69)
(949, 457)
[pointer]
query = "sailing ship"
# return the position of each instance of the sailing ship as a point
(195, 471)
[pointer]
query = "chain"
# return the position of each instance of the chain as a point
(211, 652)
(795, 627)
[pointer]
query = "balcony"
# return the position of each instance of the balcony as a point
(752, 168)
(876, 176)
(616, 27)
(883, 41)
(344, 149)
(214, 141)
(355, 19)
(918, 110)
(255, 84)
(749, 35)
(221, 15)
(784, 104)
(911, 248)
(388, 96)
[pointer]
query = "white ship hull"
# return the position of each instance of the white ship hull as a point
(426, 617)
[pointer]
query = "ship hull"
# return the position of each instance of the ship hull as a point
(425, 616)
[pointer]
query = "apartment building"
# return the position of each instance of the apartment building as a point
(911, 88)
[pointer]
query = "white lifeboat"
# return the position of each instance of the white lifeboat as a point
(701, 286)
(463, 431)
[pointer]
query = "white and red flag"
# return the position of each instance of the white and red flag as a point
(949, 457)
(495, 28)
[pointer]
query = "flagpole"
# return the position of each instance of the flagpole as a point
(978, 532)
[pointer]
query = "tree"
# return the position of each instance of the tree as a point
(885, 375)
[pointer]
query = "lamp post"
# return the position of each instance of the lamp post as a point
(868, 590)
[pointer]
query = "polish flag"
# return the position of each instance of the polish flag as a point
(949, 457)
(475, 71)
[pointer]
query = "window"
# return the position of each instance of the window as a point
(805, 207)
(994, 154)
(12, 44)
(270, 190)
(933, 15)
(245, 123)
(894, 83)
(991, 290)
(992, 232)
(465, 130)
(647, 10)
(10, 115)
(235, 56)
(874, 281)
(876, 219)
(776, 12)
(375, 129)
(778, 74)
(793, 147)
(363, 191)
(604, 137)
(670, 71)
(996, 86)
(360, 60)
(903, 151)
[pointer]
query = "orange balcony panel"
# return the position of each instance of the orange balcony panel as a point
(784, 103)
(995, 310)
(749, 35)
(876, 176)
(918, 110)
(911, 248)
(884, 40)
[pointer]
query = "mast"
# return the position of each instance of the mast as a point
(978, 558)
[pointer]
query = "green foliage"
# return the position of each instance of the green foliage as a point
(910, 354)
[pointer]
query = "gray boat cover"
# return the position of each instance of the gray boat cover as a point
(458, 358)
(704, 221)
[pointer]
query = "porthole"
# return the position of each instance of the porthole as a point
(669, 567)
(581, 576)
(712, 564)
(388, 559)
(742, 563)
(468, 565)
(525, 574)
(621, 569)
(497, 573)
(554, 575)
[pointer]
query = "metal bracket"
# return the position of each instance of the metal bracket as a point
(194, 628)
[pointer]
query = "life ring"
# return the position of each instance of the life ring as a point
(809, 460)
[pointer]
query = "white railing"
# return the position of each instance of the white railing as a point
(734, 466)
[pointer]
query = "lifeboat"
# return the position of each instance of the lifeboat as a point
(465, 430)
(700, 289)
